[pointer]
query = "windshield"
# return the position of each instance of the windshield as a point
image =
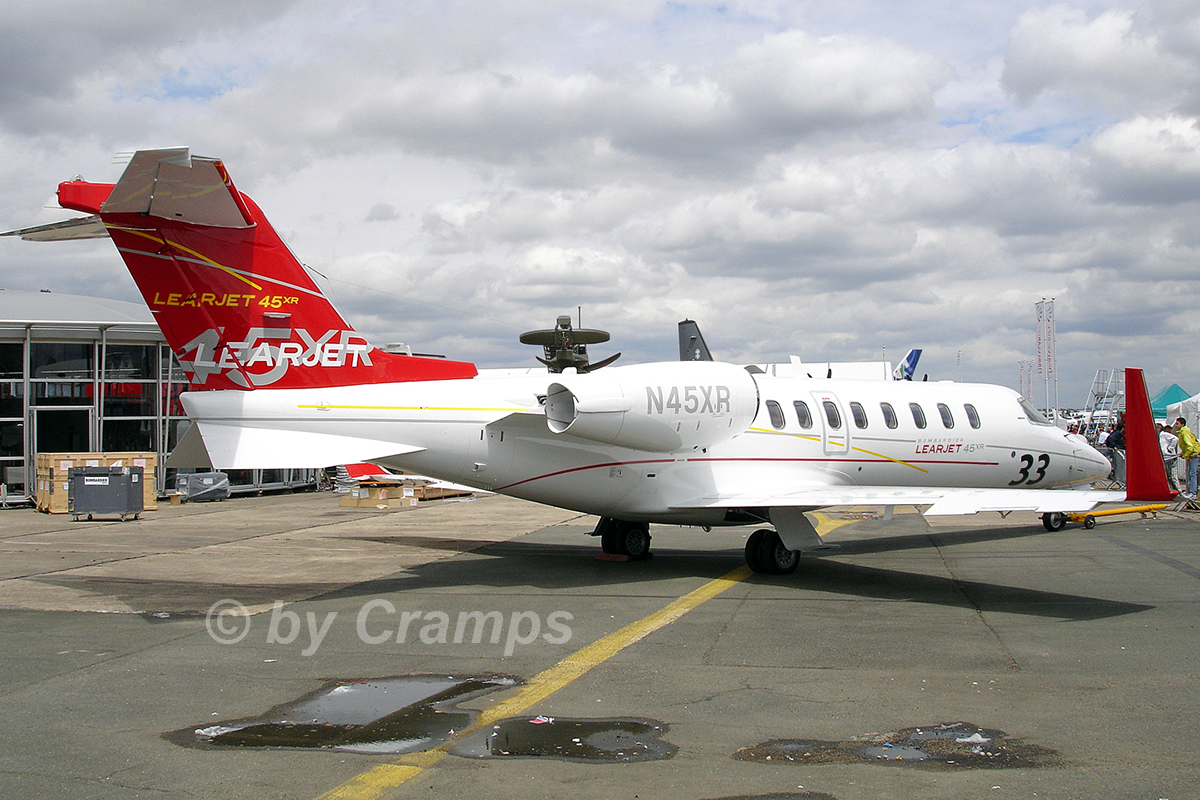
(1032, 414)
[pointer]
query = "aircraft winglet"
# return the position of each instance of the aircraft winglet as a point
(1145, 473)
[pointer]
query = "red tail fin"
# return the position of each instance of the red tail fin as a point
(1145, 475)
(237, 308)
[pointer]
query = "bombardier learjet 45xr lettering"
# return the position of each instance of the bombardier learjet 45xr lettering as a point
(279, 378)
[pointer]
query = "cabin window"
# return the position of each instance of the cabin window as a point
(889, 415)
(860, 415)
(776, 413)
(803, 415)
(947, 417)
(918, 415)
(972, 415)
(832, 414)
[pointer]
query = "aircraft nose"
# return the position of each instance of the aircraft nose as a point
(1093, 463)
(1090, 464)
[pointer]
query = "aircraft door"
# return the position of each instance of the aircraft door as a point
(835, 427)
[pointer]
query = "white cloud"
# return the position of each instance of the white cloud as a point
(827, 179)
(1154, 160)
(1116, 58)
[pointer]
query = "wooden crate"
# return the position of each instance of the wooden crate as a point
(52, 476)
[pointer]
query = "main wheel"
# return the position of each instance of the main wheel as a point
(609, 543)
(1054, 521)
(777, 558)
(634, 539)
(754, 551)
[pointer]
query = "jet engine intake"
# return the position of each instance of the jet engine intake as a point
(662, 408)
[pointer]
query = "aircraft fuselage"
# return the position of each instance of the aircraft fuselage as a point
(494, 432)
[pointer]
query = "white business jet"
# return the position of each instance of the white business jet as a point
(279, 378)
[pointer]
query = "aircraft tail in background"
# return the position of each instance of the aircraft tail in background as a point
(237, 308)
(907, 366)
(691, 342)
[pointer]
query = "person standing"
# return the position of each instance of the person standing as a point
(1189, 450)
(1169, 443)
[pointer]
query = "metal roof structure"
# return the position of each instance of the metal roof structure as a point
(49, 314)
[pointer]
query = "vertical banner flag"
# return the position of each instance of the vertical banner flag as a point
(1045, 338)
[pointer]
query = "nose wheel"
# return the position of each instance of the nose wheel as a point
(1054, 521)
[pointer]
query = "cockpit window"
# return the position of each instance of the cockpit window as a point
(1032, 414)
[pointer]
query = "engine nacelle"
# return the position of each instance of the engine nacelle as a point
(663, 408)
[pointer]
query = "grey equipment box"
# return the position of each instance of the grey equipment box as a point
(203, 486)
(105, 490)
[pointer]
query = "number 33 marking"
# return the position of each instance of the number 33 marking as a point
(1043, 461)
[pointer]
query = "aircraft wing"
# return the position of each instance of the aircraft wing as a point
(941, 500)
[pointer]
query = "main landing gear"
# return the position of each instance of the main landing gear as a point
(766, 553)
(618, 538)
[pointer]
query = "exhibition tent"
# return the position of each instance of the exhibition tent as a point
(1160, 403)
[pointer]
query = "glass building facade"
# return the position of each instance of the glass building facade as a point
(90, 375)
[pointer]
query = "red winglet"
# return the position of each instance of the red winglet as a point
(83, 196)
(1145, 474)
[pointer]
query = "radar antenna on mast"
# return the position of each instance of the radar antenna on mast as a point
(566, 347)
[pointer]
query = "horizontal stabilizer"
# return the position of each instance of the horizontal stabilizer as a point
(234, 447)
(89, 227)
(173, 185)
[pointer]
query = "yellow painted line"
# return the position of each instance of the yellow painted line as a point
(374, 782)
(826, 523)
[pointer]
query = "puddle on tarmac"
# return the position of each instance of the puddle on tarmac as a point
(375, 715)
(616, 741)
(949, 746)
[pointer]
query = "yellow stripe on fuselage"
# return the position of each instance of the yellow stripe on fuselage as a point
(855, 449)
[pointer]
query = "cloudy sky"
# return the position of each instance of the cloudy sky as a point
(823, 179)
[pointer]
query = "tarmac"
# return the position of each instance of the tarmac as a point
(1067, 661)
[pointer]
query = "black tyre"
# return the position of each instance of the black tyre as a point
(610, 543)
(755, 552)
(777, 558)
(635, 540)
(1089, 522)
(1054, 521)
